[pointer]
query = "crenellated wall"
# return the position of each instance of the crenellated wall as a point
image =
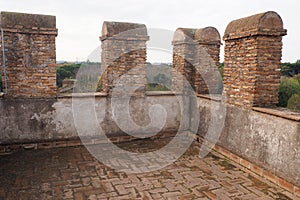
(267, 137)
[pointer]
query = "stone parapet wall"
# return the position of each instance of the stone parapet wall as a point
(41, 120)
(30, 55)
(268, 139)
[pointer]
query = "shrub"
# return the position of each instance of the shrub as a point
(1, 83)
(221, 68)
(294, 102)
(290, 69)
(66, 71)
(163, 79)
(297, 77)
(288, 87)
(156, 87)
(285, 70)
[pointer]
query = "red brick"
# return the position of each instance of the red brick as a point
(60, 144)
(271, 177)
(286, 185)
(254, 168)
(235, 158)
(45, 145)
(245, 163)
(297, 191)
(73, 143)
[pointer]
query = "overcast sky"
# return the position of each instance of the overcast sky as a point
(79, 22)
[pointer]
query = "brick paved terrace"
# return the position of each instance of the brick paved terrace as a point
(73, 173)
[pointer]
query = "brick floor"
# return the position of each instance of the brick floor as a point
(72, 173)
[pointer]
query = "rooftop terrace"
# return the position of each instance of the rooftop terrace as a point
(73, 173)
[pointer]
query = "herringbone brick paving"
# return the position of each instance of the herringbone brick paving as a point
(73, 173)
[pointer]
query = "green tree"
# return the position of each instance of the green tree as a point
(288, 87)
(66, 71)
(290, 69)
(162, 79)
(297, 77)
(294, 102)
(221, 68)
(1, 83)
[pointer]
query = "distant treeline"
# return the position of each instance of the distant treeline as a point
(290, 69)
(159, 77)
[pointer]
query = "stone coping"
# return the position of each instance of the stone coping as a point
(82, 95)
(26, 20)
(28, 23)
(162, 93)
(209, 35)
(213, 97)
(280, 112)
(112, 28)
(103, 94)
(191, 36)
(267, 23)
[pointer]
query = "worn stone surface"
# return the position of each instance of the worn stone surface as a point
(30, 57)
(123, 58)
(252, 60)
(270, 142)
(27, 22)
(27, 119)
(196, 58)
(73, 173)
(40, 119)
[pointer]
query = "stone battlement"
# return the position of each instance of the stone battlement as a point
(30, 55)
(253, 50)
(248, 127)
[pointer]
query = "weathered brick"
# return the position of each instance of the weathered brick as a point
(30, 57)
(286, 185)
(123, 55)
(196, 58)
(252, 60)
